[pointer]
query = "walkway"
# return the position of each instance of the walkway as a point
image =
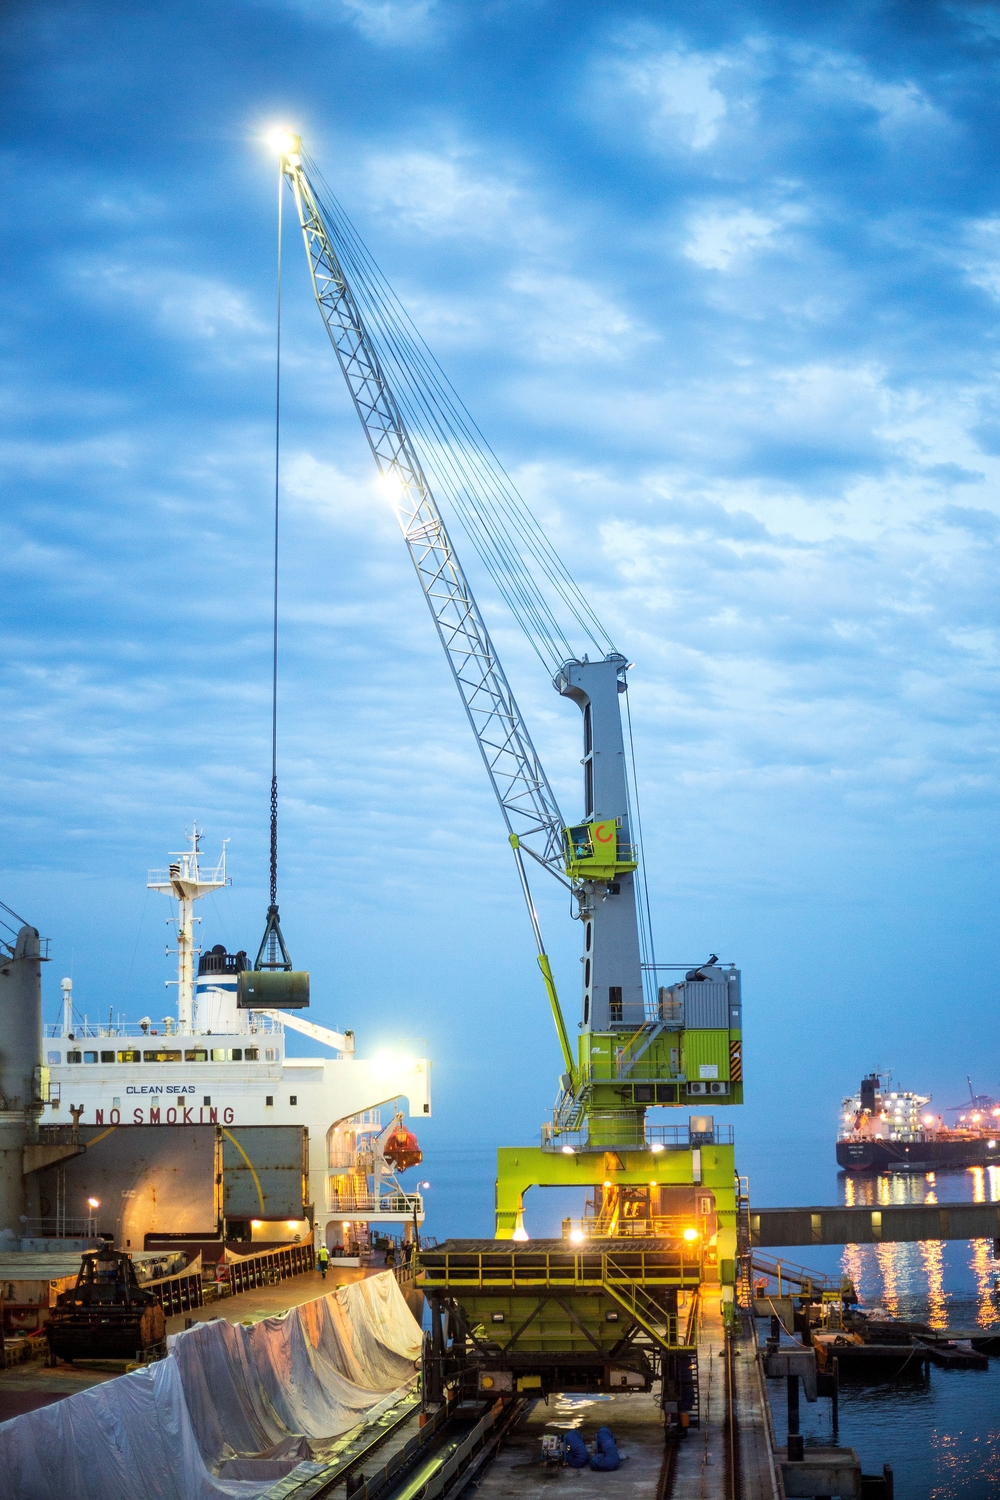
(700, 1471)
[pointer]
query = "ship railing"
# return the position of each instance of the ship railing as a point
(248, 1024)
(667, 1136)
(59, 1227)
(372, 1203)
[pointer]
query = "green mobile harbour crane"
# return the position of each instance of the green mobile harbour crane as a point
(640, 1043)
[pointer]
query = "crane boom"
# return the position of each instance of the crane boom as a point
(527, 803)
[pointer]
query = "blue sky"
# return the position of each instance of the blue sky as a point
(721, 285)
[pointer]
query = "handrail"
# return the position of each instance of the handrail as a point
(655, 1268)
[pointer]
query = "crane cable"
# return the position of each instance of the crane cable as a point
(274, 621)
(459, 460)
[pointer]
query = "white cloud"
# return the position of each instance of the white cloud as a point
(184, 305)
(443, 194)
(685, 108)
(836, 75)
(718, 236)
(573, 318)
(980, 256)
(393, 21)
(341, 501)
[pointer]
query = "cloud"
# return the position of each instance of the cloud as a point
(571, 318)
(719, 235)
(838, 77)
(683, 105)
(448, 194)
(203, 309)
(393, 21)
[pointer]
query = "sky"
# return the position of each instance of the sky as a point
(720, 283)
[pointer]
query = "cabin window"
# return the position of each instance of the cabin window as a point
(251, 1054)
(293, 1098)
(270, 1054)
(107, 1057)
(130, 1057)
(236, 1055)
(90, 1057)
(218, 1054)
(269, 1099)
(72, 1057)
(162, 1056)
(54, 1057)
(196, 1054)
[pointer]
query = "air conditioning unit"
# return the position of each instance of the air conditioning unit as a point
(708, 1086)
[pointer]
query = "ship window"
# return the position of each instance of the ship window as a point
(236, 1055)
(196, 1054)
(161, 1056)
(293, 1098)
(90, 1057)
(54, 1057)
(107, 1057)
(207, 1099)
(270, 1054)
(72, 1057)
(251, 1054)
(269, 1099)
(218, 1054)
(129, 1057)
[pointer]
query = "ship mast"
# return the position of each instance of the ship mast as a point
(188, 883)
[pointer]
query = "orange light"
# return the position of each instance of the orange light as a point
(608, 1183)
(94, 1202)
(690, 1234)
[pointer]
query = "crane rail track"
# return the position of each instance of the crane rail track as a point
(439, 1460)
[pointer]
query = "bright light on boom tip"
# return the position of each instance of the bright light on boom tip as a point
(284, 141)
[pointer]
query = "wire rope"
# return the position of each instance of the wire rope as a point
(273, 871)
(464, 469)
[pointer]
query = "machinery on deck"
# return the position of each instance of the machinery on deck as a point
(640, 1044)
(107, 1315)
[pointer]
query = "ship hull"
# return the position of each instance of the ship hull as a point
(915, 1156)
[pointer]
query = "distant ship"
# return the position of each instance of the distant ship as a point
(886, 1130)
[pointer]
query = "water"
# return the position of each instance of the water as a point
(941, 1435)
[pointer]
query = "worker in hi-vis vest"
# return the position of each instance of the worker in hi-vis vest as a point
(324, 1260)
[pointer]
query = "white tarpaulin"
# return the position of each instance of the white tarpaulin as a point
(164, 1433)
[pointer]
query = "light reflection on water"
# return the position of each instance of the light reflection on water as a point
(909, 1280)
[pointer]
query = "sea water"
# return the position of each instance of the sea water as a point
(941, 1434)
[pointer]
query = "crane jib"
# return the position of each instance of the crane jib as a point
(526, 800)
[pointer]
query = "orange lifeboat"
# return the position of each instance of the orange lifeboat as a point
(402, 1149)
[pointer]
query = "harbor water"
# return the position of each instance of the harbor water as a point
(940, 1432)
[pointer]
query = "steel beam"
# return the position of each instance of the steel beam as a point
(886, 1224)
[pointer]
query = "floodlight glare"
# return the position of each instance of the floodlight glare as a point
(282, 140)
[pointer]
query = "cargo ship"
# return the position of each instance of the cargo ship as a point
(200, 1122)
(892, 1130)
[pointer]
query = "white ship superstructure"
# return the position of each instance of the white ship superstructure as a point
(214, 1064)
